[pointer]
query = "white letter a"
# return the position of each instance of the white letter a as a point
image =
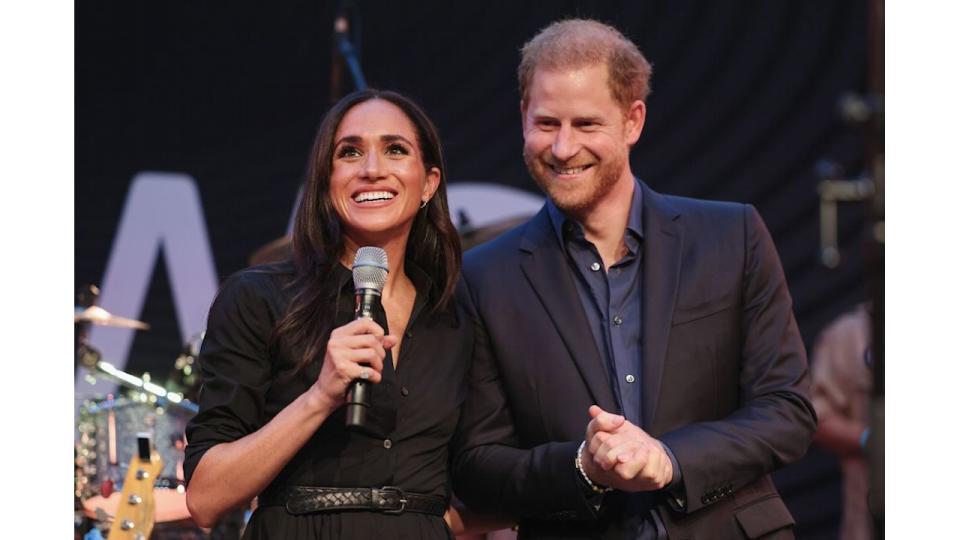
(162, 210)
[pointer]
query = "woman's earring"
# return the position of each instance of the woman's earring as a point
(424, 203)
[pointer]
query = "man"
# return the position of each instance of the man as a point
(638, 370)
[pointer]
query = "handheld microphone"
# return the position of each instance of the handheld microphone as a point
(369, 275)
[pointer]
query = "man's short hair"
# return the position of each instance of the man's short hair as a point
(577, 43)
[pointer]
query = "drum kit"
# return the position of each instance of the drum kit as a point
(111, 431)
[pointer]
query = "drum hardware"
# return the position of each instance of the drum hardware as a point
(101, 317)
(149, 391)
(87, 313)
(185, 378)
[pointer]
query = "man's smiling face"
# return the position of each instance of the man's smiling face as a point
(577, 138)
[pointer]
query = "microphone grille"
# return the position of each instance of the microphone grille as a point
(370, 268)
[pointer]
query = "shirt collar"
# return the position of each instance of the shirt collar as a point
(343, 277)
(559, 220)
(422, 282)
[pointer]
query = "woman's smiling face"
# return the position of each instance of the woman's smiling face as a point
(378, 178)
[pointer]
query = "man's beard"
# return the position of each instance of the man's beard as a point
(575, 198)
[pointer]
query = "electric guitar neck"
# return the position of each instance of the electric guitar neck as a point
(135, 514)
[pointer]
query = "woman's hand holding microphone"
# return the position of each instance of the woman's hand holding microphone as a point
(354, 351)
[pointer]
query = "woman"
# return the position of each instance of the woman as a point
(282, 346)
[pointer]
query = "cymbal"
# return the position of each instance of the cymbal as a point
(99, 316)
(474, 236)
(274, 251)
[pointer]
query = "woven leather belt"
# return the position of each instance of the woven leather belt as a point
(387, 499)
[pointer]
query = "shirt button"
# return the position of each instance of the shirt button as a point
(595, 266)
(404, 391)
(630, 378)
(387, 443)
(617, 320)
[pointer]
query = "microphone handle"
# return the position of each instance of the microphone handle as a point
(358, 393)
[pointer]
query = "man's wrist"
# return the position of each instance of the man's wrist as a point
(674, 489)
(675, 480)
(595, 489)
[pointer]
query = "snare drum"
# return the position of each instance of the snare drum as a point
(108, 442)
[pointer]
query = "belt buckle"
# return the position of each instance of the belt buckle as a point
(389, 499)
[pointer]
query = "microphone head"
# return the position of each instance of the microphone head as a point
(370, 268)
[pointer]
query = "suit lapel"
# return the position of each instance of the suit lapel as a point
(546, 268)
(662, 249)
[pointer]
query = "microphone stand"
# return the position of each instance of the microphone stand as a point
(348, 52)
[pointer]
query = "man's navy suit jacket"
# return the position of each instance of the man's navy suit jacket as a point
(725, 379)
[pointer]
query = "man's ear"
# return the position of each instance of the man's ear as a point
(635, 118)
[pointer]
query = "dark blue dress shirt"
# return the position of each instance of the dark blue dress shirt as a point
(612, 300)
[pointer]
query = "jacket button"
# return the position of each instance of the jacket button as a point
(387, 443)
(404, 391)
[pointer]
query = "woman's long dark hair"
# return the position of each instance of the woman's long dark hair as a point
(318, 242)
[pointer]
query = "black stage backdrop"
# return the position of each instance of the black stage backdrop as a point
(744, 104)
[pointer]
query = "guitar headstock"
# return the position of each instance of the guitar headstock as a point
(135, 514)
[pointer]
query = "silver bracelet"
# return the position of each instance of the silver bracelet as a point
(579, 463)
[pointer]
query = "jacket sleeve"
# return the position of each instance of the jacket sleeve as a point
(492, 473)
(235, 366)
(774, 422)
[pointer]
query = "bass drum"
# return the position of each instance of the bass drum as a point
(108, 442)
